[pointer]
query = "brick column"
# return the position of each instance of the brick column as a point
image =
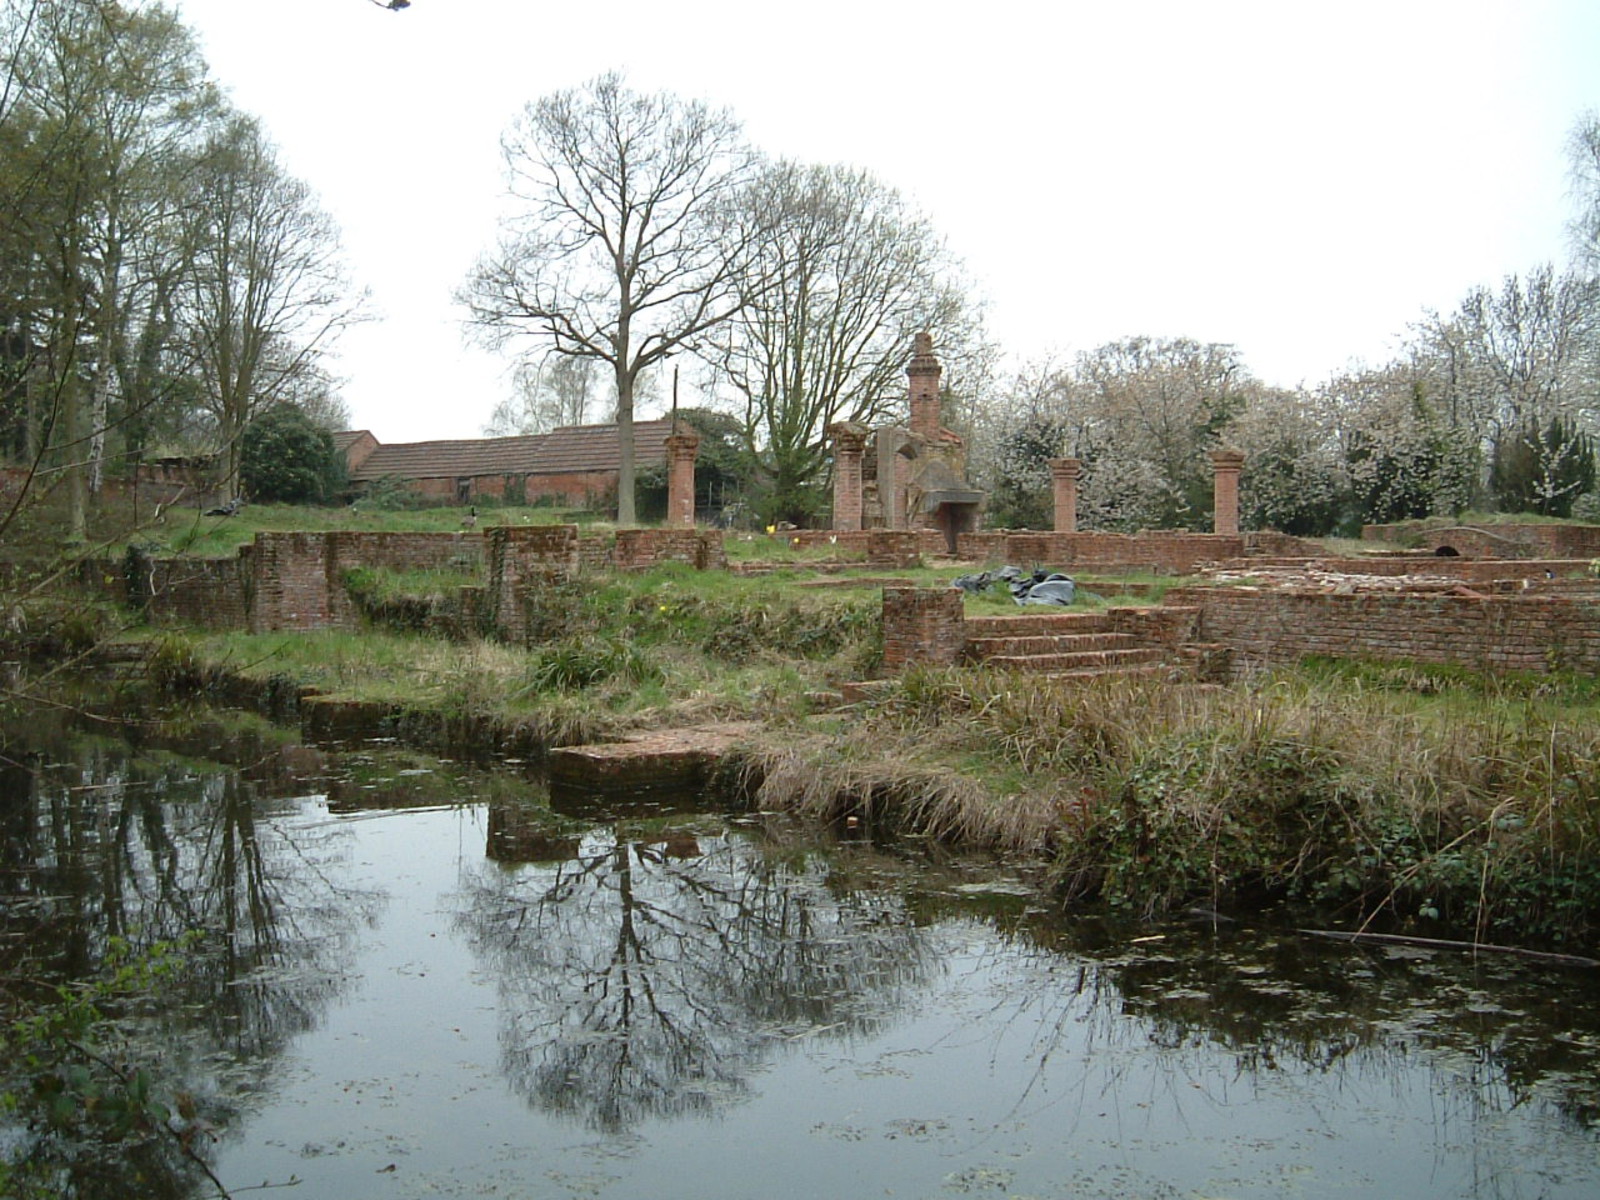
(923, 386)
(849, 443)
(1064, 473)
(1225, 465)
(923, 625)
(681, 450)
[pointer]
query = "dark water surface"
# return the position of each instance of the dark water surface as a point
(410, 988)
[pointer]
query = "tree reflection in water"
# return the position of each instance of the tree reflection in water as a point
(647, 979)
(104, 845)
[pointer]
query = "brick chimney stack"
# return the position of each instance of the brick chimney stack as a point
(923, 373)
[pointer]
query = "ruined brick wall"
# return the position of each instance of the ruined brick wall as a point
(850, 544)
(1270, 541)
(1504, 541)
(1151, 550)
(288, 582)
(296, 580)
(641, 549)
(1170, 625)
(922, 625)
(521, 556)
(211, 593)
(1524, 632)
(597, 551)
(894, 548)
(1479, 572)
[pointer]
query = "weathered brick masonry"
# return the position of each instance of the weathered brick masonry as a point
(297, 580)
(1480, 572)
(922, 625)
(1517, 632)
(1222, 631)
(641, 549)
(1164, 553)
(1502, 541)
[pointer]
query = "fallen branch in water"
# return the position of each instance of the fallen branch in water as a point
(1398, 939)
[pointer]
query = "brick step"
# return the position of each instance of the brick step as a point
(1036, 623)
(1048, 643)
(1080, 660)
(1154, 670)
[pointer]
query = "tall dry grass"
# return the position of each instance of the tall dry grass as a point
(1146, 795)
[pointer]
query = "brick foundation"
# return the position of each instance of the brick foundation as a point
(1148, 551)
(1491, 633)
(641, 549)
(1503, 541)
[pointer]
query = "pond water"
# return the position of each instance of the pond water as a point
(412, 984)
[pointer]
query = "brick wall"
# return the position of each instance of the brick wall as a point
(1151, 550)
(641, 549)
(1170, 625)
(893, 548)
(520, 555)
(1514, 632)
(1543, 541)
(858, 543)
(1479, 572)
(210, 593)
(288, 582)
(922, 625)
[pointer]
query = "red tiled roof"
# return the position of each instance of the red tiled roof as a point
(570, 450)
(346, 438)
(582, 448)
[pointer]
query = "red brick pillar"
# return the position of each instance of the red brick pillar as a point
(849, 443)
(923, 387)
(923, 625)
(1226, 465)
(681, 450)
(1064, 473)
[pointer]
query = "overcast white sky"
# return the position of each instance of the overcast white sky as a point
(1301, 180)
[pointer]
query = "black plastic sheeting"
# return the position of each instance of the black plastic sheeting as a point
(1041, 587)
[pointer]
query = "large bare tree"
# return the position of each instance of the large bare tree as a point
(840, 273)
(620, 251)
(267, 292)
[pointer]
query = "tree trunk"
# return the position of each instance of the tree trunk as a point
(625, 465)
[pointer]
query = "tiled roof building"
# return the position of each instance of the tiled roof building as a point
(573, 465)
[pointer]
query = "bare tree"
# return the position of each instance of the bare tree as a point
(840, 274)
(620, 253)
(267, 292)
(552, 391)
(1583, 154)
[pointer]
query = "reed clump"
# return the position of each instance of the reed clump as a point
(1477, 813)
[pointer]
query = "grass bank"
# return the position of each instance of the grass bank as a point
(1446, 802)
(1468, 808)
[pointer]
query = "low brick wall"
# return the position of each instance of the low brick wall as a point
(900, 548)
(922, 625)
(1168, 553)
(210, 593)
(1532, 541)
(1478, 571)
(859, 543)
(1513, 632)
(1171, 625)
(288, 579)
(296, 580)
(641, 549)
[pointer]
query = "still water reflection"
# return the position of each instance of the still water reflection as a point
(413, 984)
